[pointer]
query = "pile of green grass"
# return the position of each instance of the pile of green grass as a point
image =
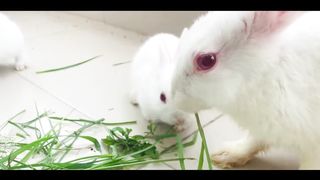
(122, 150)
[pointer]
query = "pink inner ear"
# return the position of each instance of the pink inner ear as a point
(281, 19)
(281, 13)
(267, 22)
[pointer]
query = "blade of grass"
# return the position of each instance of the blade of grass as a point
(140, 163)
(72, 166)
(28, 155)
(204, 142)
(76, 135)
(11, 143)
(24, 148)
(100, 121)
(174, 146)
(37, 110)
(63, 141)
(40, 122)
(20, 135)
(31, 165)
(130, 155)
(35, 119)
(117, 64)
(19, 127)
(94, 141)
(3, 167)
(67, 67)
(19, 162)
(91, 157)
(192, 142)
(180, 152)
(200, 163)
(12, 118)
(69, 148)
(87, 166)
(162, 136)
(53, 129)
(49, 156)
(29, 127)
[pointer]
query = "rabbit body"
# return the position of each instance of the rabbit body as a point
(12, 42)
(266, 76)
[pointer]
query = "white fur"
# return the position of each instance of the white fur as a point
(12, 43)
(267, 76)
(151, 72)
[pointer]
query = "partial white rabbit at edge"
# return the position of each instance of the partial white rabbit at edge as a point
(12, 43)
(151, 72)
(263, 69)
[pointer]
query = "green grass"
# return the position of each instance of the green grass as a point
(123, 150)
(180, 152)
(204, 142)
(12, 118)
(24, 148)
(173, 147)
(94, 141)
(120, 149)
(200, 161)
(67, 67)
(97, 122)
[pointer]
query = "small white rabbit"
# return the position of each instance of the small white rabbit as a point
(12, 42)
(151, 72)
(263, 69)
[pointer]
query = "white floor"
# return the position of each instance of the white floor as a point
(99, 88)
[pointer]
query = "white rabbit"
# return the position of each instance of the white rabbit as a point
(263, 69)
(151, 72)
(12, 42)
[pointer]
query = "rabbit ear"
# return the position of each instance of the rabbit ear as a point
(184, 32)
(268, 22)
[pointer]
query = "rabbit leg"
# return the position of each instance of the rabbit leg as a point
(237, 153)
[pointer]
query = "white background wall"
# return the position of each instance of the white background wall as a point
(145, 22)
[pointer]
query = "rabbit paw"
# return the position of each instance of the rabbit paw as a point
(237, 153)
(229, 159)
(20, 67)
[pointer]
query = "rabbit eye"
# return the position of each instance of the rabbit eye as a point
(205, 61)
(163, 97)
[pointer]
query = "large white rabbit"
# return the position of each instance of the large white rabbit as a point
(263, 69)
(151, 72)
(12, 43)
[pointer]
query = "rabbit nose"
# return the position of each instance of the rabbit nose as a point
(163, 98)
(180, 120)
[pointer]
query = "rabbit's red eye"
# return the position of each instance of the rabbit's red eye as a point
(205, 61)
